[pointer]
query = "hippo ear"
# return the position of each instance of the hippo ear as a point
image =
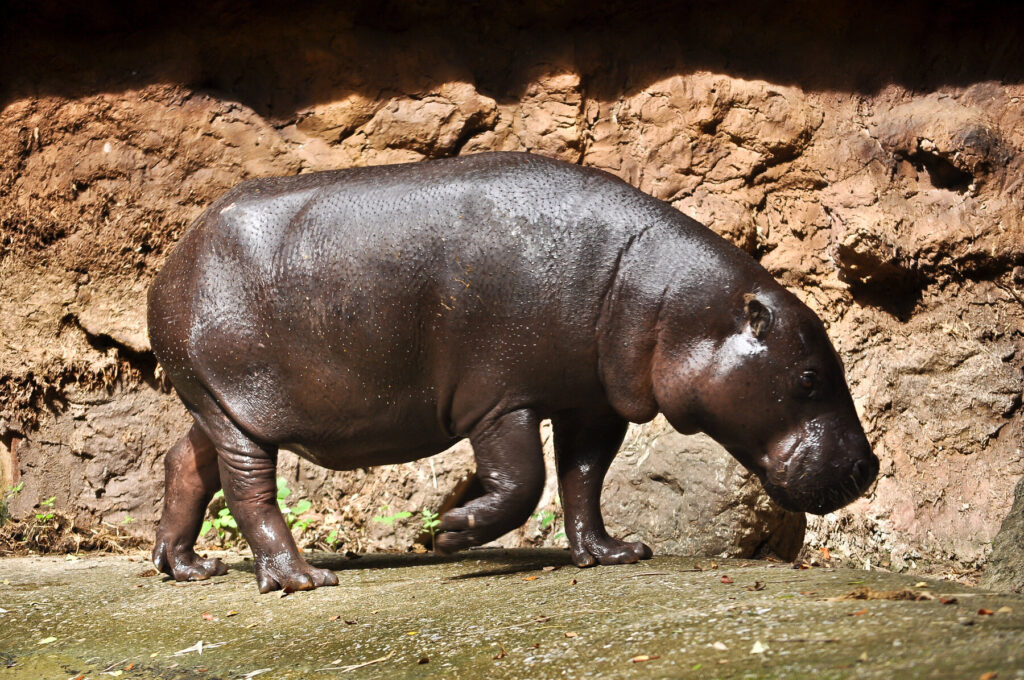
(759, 317)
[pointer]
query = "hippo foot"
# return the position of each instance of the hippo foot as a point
(607, 550)
(453, 541)
(466, 527)
(292, 576)
(186, 565)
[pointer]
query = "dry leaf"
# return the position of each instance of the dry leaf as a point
(233, 612)
(571, 634)
(991, 675)
(1004, 610)
(921, 584)
(644, 657)
(208, 616)
(423, 660)
(334, 618)
(859, 612)
(573, 582)
(549, 568)
(825, 553)
(726, 579)
(530, 578)
(720, 646)
(759, 648)
(757, 586)
(502, 654)
(947, 600)
(985, 612)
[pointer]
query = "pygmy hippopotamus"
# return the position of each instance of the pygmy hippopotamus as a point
(377, 315)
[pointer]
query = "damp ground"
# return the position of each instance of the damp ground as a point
(501, 614)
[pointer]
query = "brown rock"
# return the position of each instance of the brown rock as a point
(687, 496)
(1005, 569)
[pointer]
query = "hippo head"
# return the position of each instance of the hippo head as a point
(766, 383)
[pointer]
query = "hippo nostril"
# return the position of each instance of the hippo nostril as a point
(864, 470)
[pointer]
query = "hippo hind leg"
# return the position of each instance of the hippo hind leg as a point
(248, 473)
(510, 467)
(191, 479)
(585, 444)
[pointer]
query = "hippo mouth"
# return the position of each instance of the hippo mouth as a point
(802, 482)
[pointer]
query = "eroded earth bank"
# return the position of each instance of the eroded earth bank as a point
(869, 157)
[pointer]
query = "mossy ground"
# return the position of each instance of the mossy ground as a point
(494, 613)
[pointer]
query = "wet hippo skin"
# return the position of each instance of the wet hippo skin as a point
(377, 315)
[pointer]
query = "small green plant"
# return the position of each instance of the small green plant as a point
(291, 514)
(332, 539)
(5, 498)
(390, 519)
(222, 522)
(545, 520)
(128, 519)
(431, 522)
(47, 513)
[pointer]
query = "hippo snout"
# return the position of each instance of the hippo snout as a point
(819, 479)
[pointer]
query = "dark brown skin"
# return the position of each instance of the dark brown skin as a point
(378, 315)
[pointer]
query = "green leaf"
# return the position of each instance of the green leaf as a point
(207, 525)
(224, 512)
(282, 489)
(219, 494)
(302, 506)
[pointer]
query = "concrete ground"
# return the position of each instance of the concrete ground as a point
(500, 614)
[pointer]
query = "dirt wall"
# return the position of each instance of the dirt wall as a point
(869, 156)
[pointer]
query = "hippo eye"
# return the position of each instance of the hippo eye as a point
(808, 380)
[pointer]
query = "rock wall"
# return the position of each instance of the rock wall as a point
(868, 155)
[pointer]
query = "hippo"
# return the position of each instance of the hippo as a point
(377, 315)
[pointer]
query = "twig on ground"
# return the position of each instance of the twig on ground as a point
(352, 667)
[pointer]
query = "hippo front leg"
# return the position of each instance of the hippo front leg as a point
(585, 444)
(510, 467)
(248, 474)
